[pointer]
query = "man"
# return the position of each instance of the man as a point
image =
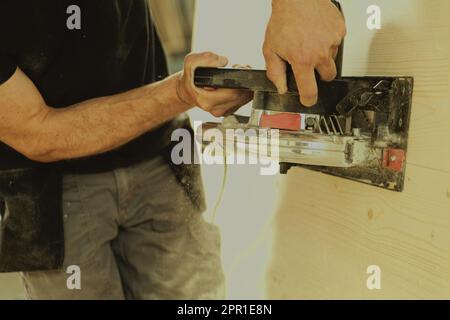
(96, 106)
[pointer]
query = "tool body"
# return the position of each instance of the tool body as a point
(358, 130)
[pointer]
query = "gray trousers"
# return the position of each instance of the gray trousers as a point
(134, 234)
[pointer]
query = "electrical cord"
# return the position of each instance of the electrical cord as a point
(221, 193)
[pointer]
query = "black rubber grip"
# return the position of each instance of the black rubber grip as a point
(254, 80)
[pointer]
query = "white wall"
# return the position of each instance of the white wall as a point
(235, 29)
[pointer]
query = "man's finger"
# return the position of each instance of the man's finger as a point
(307, 85)
(220, 95)
(231, 107)
(205, 59)
(334, 52)
(276, 71)
(327, 70)
(228, 97)
(224, 96)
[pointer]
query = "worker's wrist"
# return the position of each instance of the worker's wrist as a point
(182, 100)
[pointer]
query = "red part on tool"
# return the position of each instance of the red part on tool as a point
(394, 159)
(282, 121)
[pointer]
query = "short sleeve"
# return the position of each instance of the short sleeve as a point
(9, 22)
(7, 68)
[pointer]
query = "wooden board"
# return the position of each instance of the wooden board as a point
(413, 41)
(329, 230)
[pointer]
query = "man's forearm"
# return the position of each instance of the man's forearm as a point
(103, 124)
(46, 134)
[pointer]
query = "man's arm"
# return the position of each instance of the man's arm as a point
(46, 134)
(307, 35)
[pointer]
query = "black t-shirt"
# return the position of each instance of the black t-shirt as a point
(115, 50)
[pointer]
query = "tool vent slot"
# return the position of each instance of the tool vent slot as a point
(330, 125)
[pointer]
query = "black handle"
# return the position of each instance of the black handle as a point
(254, 80)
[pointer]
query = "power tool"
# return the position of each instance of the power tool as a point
(357, 130)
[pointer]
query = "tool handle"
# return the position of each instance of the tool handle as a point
(247, 79)
(254, 80)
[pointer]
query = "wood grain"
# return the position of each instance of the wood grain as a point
(414, 40)
(330, 230)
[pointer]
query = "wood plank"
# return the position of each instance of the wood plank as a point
(327, 238)
(413, 41)
(329, 231)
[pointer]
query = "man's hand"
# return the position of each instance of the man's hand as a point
(218, 102)
(307, 35)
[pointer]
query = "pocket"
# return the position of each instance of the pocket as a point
(32, 236)
(162, 198)
(188, 175)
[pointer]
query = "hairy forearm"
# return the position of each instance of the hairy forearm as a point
(46, 134)
(103, 124)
